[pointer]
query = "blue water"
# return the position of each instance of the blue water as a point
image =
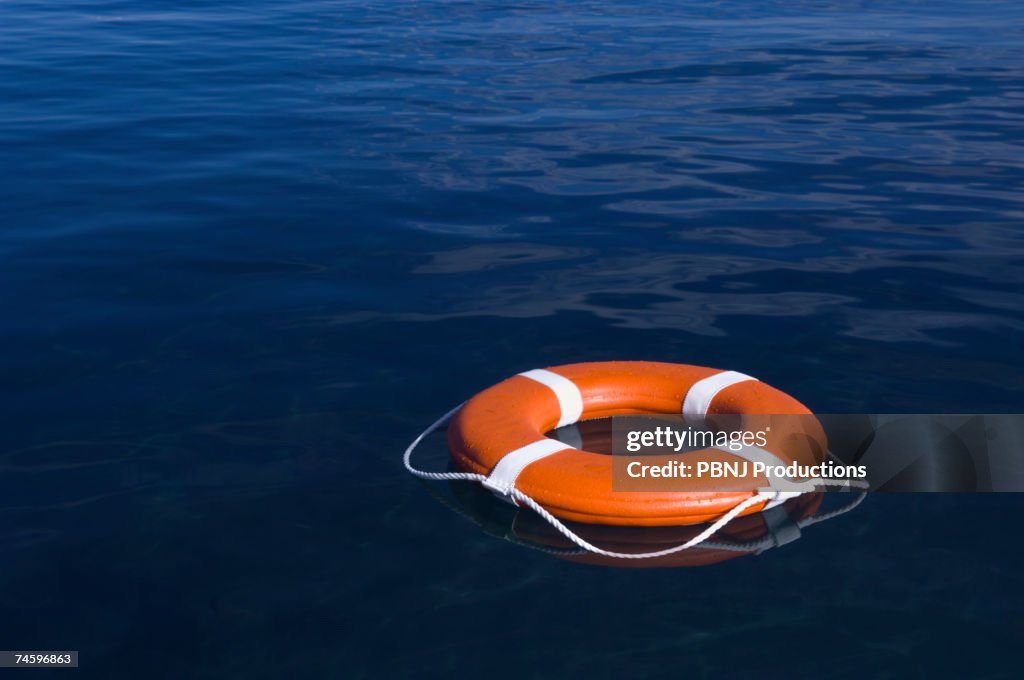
(248, 250)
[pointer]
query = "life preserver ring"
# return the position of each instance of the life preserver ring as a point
(500, 433)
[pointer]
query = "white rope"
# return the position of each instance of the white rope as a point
(437, 476)
(576, 539)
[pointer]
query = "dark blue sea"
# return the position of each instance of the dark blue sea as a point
(249, 250)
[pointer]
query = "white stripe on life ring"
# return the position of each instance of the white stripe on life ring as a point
(503, 476)
(698, 399)
(755, 454)
(776, 485)
(570, 401)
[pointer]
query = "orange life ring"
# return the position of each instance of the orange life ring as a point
(500, 433)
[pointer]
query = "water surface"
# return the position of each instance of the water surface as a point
(250, 250)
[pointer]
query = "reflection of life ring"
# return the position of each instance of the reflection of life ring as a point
(747, 535)
(500, 434)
